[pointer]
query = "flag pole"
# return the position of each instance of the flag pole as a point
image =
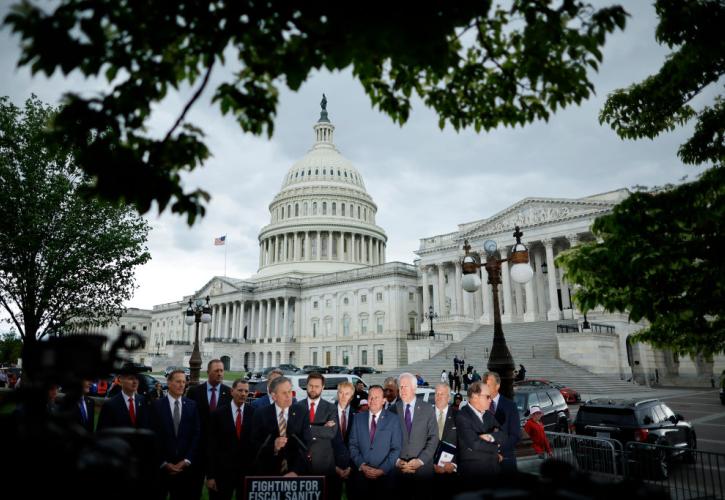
(225, 257)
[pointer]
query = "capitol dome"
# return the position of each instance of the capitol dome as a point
(322, 220)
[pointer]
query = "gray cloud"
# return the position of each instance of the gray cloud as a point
(424, 180)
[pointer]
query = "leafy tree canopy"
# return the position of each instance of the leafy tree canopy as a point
(659, 252)
(475, 63)
(62, 256)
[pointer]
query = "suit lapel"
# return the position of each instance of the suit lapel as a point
(203, 400)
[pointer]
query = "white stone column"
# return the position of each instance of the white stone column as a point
(426, 291)
(508, 315)
(285, 319)
(250, 327)
(233, 324)
(369, 251)
(540, 285)
(268, 327)
(261, 254)
(318, 244)
(340, 249)
(277, 319)
(459, 289)
(329, 245)
(308, 246)
(441, 290)
(260, 330)
(530, 314)
(486, 303)
(554, 313)
(383, 252)
(285, 248)
(297, 331)
(240, 331)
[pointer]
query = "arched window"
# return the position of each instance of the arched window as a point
(297, 209)
(324, 208)
(358, 212)
(314, 208)
(317, 171)
(342, 209)
(303, 173)
(365, 214)
(334, 208)
(352, 212)
(324, 171)
(346, 173)
(304, 209)
(289, 211)
(281, 212)
(338, 173)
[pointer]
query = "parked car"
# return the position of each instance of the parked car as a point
(289, 368)
(138, 367)
(570, 395)
(646, 421)
(329, 393)
(555, 411)
(337, 369)
(313, 369)
(363, 370)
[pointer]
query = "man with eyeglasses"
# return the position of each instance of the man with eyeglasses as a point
(479, 434)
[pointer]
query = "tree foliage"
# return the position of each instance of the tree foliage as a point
(62, 256)
(659, 254)
(475, 63)
(11, 347)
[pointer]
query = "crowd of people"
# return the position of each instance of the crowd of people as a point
(369, 442)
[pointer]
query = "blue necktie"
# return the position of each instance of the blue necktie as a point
(84, 414)
(408, 419)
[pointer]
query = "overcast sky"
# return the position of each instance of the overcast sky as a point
(425, 181)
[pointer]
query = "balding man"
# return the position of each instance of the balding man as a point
(267, 400)
(479, 435)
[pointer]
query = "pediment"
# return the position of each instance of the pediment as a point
(217, 286)
(532, 212)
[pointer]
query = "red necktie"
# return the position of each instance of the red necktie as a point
(131, 412)
(343, 424)
(312, 411)
(239, 422)
(373, 428)
(212, 403)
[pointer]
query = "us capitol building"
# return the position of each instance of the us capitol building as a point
(324, 293)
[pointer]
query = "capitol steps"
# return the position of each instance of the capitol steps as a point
(532, 344)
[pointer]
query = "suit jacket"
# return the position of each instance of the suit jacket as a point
(266, 430)
(450, 433)
(350, 419)
(476, 456)
(385, 448)
(114, 413)
(184, 446)
(228, 455)
(90, 412)
(391, 407)
(327, 448)
(508, 415)
(423, 438)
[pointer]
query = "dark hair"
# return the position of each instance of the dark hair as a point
(316, 375)
(208, 365)
(458, 396)
(376, 386)
(174, 372)
(475, 388)
(277, 382)
(239, 381)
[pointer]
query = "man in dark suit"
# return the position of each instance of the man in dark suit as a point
(375, 442)
(230, 455)
(125, 409)
(327, 450)
(345, 417)
(479, 435)
(85, 408)
(446, 476)
(175, 420)
(267, 400)
(281, 433)
(359, 395)
(420, 440)
(507, 414)
(390, 389)
(207, 396)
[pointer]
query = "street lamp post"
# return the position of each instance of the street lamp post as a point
(197, 312)
(430, 315)
(500, 359)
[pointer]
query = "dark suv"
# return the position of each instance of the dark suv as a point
(648, 421)
(555, 411)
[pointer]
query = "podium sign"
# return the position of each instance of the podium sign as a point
(285, 488)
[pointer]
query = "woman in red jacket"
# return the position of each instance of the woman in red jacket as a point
(535, 429)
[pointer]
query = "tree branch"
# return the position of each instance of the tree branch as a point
(21, 330)
(191, 102)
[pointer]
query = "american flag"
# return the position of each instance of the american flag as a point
(220, 240)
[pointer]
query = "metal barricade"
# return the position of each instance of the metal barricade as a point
(586, 453)
(686, 473)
